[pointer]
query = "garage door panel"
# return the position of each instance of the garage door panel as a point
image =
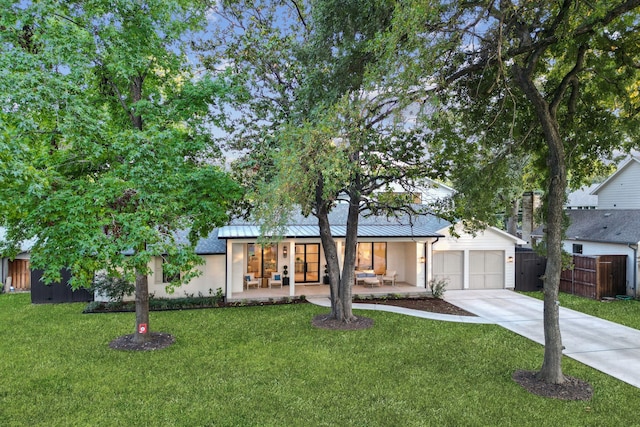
(448, 265)
(486, 269)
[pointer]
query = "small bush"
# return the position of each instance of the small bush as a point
(113, 287)
(438, 287)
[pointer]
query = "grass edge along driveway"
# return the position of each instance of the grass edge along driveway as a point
(268, 366)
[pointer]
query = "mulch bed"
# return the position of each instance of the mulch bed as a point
(571, 389)
(157, 341)
(434, 305)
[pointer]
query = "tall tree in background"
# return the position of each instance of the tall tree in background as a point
(556, 79)
(317, 131)
(105, 145)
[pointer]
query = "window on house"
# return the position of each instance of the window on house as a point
(577, 249)
(262, 260)
(372, 256)
(160, 274)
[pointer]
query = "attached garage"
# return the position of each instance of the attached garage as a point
(486, 269)
(481, 260)
(449, 266)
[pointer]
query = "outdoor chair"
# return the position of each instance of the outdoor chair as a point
(251, 281)
(389, 276)
(275, 280)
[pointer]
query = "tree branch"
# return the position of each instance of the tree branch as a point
(567, 80)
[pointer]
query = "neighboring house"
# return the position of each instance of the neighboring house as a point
(15, 274)
(613, 227)
(583, 198)
(622, 189)
(427, 191)
(606, 232)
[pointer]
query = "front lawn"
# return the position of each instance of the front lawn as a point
(268, 366)
(624, 312)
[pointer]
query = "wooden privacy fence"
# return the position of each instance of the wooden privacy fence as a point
(596, 277)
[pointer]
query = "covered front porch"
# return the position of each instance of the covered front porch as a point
(264, 294)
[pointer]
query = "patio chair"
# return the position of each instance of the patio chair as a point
(251, 281)
(389, 276)
(275, 280)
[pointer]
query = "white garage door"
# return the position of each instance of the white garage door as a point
(447, 265)
(486, 269)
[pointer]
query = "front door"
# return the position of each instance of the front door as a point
(307, 263)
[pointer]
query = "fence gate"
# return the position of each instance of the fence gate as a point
(529, 268)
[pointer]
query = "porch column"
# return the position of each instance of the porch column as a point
(340, 250)
(291, 267)
(229, 266)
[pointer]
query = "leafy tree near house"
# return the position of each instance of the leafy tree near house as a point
(555, 79)
(105, 142)
(317, 131)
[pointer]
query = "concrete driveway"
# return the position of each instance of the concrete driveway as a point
(606, 346)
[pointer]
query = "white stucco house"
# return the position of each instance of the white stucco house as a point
(417, 250)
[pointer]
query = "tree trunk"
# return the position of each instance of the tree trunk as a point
(339, 284)
(142, 308)
(340, 287)
(551, 370)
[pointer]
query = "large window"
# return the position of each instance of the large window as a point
(262, 260)
(372, 256)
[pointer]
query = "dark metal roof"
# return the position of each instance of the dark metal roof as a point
(378, 226)
(604, 225)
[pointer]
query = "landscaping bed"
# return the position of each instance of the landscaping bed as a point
(434, 305)
(423, 303)
(190, 303)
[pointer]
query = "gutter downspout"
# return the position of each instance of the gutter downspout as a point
(635, 267)
(426, 285)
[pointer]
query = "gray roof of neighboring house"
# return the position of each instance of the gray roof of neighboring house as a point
(583, 197)
(368, 226)
(604, 225)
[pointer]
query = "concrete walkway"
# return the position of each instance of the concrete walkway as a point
(606, 346)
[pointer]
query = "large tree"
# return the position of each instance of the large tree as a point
(557, 79)
(317, 131)
(106, 146)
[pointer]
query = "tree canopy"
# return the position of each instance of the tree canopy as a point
(317, 130)
(554, 82)
(106, 139)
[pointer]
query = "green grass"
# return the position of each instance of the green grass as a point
(268, 366)
(624, 312)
